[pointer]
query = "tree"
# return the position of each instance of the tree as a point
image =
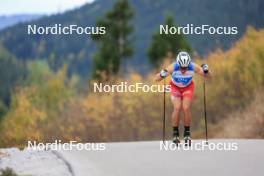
(12, 73)
(114, 45)
(162, 44)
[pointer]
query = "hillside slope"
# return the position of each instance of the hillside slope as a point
(78, 50)
(6, 21)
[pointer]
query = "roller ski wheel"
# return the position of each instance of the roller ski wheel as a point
(187, 141)
(176, 140)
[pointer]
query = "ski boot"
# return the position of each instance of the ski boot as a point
(187, 141)
(176, 140)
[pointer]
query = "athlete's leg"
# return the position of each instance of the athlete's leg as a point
(175, 118)
(186, 104)
(176, 97)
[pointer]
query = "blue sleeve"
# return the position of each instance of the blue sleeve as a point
(176, 66)
(191, 66)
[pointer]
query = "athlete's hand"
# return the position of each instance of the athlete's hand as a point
(163, 73)
(205, 68)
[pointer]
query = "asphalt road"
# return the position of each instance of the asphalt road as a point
(146, 159)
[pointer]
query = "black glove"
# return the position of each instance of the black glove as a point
(205, 68)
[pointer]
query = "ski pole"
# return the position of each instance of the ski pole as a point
(205, 114)
(164, 111)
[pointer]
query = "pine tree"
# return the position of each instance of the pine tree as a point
(162, 44)
(115, 45)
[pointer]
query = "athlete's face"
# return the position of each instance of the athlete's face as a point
(183, 69)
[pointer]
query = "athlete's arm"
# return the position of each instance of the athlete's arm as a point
(169, 70)
(199, 70)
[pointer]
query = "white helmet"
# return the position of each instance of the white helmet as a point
(183, 59)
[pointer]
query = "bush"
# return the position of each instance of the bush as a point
(7, 172)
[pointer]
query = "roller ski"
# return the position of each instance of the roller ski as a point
(176, 140)
(187, 141)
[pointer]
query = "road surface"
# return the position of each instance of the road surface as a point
(146, 159)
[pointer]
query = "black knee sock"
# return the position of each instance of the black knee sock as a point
(175, 131)
(187, 131)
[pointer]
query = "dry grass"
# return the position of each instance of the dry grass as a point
(248, 123)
